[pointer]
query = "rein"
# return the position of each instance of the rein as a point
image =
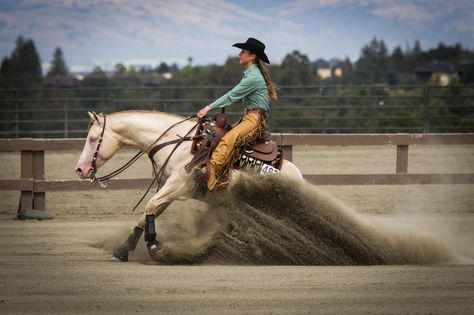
(150, 148)
(160, 172)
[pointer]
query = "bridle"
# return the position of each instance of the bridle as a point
(152, 150)
(96, 153)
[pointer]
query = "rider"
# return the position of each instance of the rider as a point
(255, 91)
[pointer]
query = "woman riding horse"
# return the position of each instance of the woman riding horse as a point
(255, 91)
(139, 129)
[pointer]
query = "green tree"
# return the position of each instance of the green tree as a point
(23, 67)
(373, 61)
(417, 48)
(6, 72)
(467, 75)
(396, 58)
(98, 72)
(58, 66)
(229, 74)
(295, 68)
(163, 68)
(395, 66)
(97, 78)
(174, 68)
(119, 69)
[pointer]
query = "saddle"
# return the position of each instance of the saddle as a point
(210, 132)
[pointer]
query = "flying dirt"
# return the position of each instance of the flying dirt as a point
(270, 220)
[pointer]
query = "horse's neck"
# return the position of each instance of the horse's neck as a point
(141, 130)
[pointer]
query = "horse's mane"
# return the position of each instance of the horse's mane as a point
(145, 111)
(132, 111)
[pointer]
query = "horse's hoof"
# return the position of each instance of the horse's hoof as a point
(121, 253)
(153, 247)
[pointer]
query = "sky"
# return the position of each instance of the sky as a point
(147, 32)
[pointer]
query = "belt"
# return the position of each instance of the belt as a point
(262, 113)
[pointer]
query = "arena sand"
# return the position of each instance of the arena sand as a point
(63, 266)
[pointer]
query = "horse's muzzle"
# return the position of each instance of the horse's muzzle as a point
(84, 170)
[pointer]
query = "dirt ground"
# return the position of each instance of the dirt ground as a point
(59, 267)
(51, 267)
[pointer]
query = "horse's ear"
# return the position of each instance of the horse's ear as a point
(93, 116)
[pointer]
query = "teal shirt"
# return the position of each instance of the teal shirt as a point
(252, 90)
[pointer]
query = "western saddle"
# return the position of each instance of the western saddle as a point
(263, 156)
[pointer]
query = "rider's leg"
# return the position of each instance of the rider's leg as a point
(225, 149)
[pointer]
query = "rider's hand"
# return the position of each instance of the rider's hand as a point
(203, 112)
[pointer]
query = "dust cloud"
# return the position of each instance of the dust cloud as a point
(270, 220)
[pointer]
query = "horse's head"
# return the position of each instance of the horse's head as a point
(101, 144)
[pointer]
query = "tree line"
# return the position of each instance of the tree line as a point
(375, 65)
(368, 95)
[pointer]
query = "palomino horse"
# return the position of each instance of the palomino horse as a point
(141, 129)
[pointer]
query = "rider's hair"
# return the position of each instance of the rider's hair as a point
(272, 93)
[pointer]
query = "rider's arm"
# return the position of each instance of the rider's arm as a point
(246, 86)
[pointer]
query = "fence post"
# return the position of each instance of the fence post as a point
(17, 129)
(321, 106)
(426, 117)
(32, 167)
(402, 159)
(373, 106)
(39, 198)
(287, 152)
(112, 101)
(66, 114)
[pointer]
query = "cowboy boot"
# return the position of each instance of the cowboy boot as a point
(212, 180)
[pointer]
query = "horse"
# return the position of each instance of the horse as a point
(145, 130)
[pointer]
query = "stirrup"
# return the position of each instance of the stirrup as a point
(201, 174)
(198, 173)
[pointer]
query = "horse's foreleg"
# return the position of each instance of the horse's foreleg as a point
(147, 224)
(174, 187)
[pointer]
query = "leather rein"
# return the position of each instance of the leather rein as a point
(152, 151)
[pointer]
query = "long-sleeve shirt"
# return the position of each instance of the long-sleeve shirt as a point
(251, 90)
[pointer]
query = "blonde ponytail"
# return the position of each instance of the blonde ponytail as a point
(272, 93)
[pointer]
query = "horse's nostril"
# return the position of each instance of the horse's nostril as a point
(78, 170)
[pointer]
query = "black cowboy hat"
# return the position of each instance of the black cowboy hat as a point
(255, 46)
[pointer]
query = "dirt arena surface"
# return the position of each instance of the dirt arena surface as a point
(64, 265)
(51, 267)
